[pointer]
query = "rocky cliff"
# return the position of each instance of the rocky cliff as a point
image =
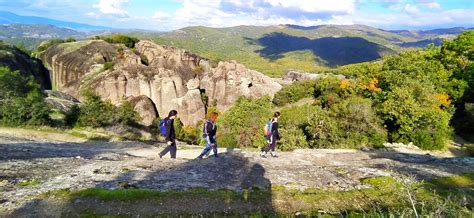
(167, 77)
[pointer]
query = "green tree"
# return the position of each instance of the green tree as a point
(21, 100)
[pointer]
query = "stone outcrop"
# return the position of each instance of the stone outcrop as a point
(169, 77)
(145, 107)
(70, 62)
(230, 80)
(60, 101)
(293, 75)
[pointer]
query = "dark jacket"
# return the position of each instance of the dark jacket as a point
(211, 130)
(275, 133)
(170, 133)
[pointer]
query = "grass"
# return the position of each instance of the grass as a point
(386, 196)
(29, 182)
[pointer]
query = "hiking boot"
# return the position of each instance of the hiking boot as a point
(199, 157)
(263, 155)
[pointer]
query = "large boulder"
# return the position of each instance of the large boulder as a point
(145, 107)
(169, 77)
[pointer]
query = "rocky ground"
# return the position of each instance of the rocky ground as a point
(55, 161)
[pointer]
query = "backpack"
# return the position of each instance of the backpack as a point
(204, 132)
(267, 130)
(163, 131)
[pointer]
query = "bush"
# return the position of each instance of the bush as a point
(242, 125)
(126, 114)
(294, 92)
(72, 116)
(351, 123)
(292, 138)
(122, 39)
(94, 112)
(21, 100)
(46, 45)
(188, 134)
(414, 102)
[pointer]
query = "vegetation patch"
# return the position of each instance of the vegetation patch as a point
(29, 182)
(387, 196)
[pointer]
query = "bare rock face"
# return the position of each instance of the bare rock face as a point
(230, 80)
(60, 101)
(169, 77)
(145, 107)
(293, 75)
(70, 62)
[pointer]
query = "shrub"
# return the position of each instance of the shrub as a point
(94, 111)
(188, 134)
(351, 123)
(72, 115)
(242, 124)
(46, 45)
(21, 101)
(70, 39)
(292, 138)
(126, 114)
(122, 39)
(294, 92)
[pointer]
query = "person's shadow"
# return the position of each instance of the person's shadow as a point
(227, 185)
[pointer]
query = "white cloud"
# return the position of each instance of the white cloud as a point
(161, 15)
(112, 7)
(411, 9)
(315, 6)
(433, 5)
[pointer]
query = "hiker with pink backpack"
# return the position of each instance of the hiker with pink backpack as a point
(272, 135)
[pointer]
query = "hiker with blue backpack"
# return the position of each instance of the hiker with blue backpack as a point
(272, 135)
(209, 134)
(167, 131)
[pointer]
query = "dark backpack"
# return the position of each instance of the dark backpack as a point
(163, 130)
(204, 132)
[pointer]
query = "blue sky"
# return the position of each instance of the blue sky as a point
(167, 15)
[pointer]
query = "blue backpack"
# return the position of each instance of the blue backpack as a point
(163, 131)
(267, 130)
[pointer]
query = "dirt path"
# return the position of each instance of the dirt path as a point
(58, 162)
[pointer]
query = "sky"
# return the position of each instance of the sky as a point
(166, 15)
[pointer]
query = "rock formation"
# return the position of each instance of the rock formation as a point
(169, 77)
(293, 75)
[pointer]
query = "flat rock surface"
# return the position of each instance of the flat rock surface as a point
(75, 164)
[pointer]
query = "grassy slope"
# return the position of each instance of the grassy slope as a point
(241, 44)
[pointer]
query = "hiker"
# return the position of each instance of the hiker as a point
(209, 134)
(167, 130)
(272, 136)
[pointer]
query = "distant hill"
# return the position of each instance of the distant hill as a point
(275, 49)
(41, 31)
(11, 18)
